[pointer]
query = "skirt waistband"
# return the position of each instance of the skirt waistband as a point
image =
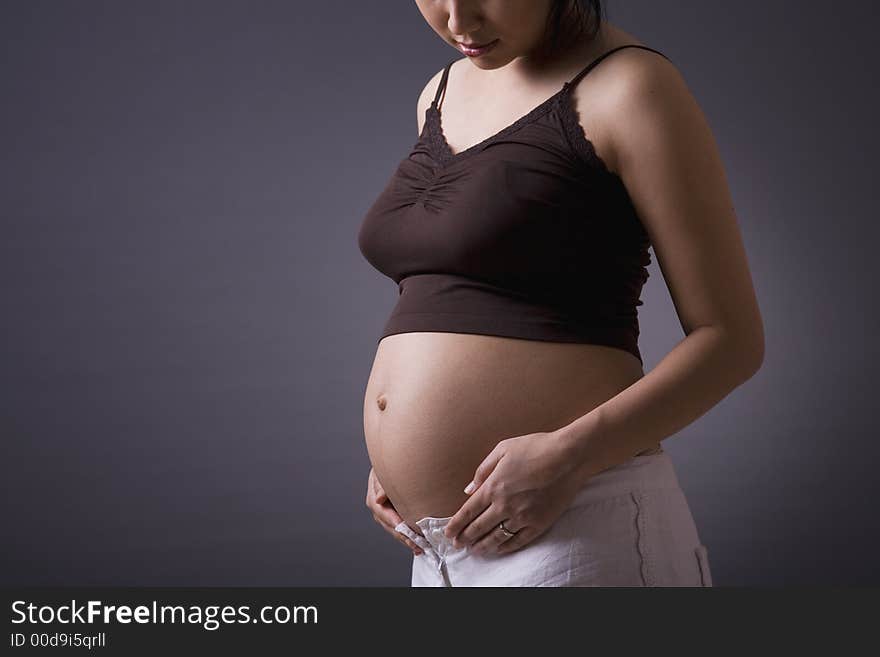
(640, 472)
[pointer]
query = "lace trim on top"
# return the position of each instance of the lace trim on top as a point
(561, 102)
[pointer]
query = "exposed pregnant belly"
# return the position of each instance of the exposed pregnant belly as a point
(437, 403)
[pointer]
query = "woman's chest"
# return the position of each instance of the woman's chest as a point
(514, 207)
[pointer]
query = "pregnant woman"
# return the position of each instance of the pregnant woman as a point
(513, 434)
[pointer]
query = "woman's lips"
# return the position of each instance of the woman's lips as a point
(476, 50)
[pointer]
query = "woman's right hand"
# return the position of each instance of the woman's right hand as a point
(384, 512)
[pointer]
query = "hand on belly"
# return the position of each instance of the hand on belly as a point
(424, 466)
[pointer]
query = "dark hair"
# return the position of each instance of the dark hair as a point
(570, 21)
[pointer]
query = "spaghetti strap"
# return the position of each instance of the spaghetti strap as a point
(589, 67)
(442, 86)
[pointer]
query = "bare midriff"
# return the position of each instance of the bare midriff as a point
(437, 403)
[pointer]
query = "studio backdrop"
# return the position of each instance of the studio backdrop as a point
(189, 325)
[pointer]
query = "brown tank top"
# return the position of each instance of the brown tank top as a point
(526, 234)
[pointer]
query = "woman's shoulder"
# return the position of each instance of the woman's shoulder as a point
(625, 79)
(433, 83)
(429, 90)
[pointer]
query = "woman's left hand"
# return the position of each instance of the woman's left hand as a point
(526, 482)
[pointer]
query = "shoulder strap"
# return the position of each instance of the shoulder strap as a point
(442, 86)
(589, 67)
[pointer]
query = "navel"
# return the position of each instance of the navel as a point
(381, 402)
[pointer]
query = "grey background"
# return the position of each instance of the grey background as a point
(189, 326)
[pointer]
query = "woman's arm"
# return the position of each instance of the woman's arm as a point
(666, 155)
